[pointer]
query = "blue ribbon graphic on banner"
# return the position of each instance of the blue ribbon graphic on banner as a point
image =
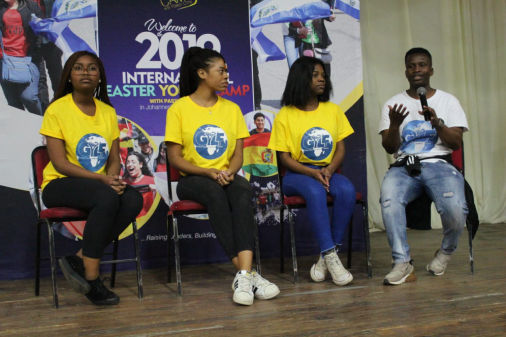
(350, 7)
(56, 28)
(277, 11)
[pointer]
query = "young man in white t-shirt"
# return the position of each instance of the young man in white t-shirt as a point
(419, 145)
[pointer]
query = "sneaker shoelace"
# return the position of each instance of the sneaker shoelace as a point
(259, 281)
(335, 263)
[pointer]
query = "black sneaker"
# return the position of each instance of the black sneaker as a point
(100, 295)
(73, 269)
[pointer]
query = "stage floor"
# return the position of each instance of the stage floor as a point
(455, 304)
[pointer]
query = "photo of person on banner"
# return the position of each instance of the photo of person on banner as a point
(20, 46)
(138, 175)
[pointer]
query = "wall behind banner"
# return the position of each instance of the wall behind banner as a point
(141, 45)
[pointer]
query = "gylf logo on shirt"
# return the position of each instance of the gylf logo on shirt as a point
(92, 152)
(316, 143)
(418, 136)
(210, 141)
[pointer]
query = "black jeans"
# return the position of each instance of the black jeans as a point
(229, 208)
(108, 213)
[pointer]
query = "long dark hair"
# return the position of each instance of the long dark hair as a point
(297, 90)
(194, 59)
(65, 87)
(144, 167)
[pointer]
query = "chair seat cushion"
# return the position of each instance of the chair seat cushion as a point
(297, 200)
(186, 205)
(57, 213)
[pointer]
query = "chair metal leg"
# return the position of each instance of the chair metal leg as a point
(52, 257)
(350, 242)
(367, 239)
(37, 261)
(471, 256)
(176, 256)
(282, 240)
(140, 291)
(292, 243)
(169, 252)
(257, 250)
(114, 257)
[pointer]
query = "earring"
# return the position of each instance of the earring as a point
(99, 81)
(70, 81)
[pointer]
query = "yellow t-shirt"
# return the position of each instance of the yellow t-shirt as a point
(310, 136)
(87, 138)
(208, 135)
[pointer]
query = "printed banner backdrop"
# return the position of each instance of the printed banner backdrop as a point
(141, 47)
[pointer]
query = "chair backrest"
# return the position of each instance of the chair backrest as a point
(40, 159)
(458, 159)
(173, 175)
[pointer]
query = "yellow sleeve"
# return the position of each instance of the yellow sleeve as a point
(50, 124)
(173, 125)
(344, 128)
(241, 128)
(279, 134)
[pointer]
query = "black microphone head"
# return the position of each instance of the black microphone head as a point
(421, 91)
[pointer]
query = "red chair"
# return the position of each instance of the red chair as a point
(54, 215)
(298, 202)
(182, 208)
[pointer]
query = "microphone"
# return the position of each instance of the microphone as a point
(422, 92)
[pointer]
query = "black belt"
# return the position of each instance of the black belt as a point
(412, 163)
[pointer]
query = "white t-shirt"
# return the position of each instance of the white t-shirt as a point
(417, 136)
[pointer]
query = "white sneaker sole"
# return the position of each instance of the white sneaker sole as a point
(433, 272)
(345, 282)
(268, 297)
(242, 301)
(408, 278)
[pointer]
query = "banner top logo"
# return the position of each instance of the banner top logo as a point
(178, 4)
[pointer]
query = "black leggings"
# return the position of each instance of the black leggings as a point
(108, 213)
(229, 207)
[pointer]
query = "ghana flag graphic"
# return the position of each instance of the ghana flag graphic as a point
(258, 159)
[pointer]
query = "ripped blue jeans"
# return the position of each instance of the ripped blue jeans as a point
(443, 184)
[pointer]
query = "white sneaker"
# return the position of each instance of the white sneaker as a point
(263, 289)
(339, 274)
(400, 273)
(318, 271)
(438, 265)
(243, 288)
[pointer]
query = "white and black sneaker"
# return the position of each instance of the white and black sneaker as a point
(263, 289)
(243, 288)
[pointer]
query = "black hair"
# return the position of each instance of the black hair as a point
(142, 160)
(159, 157)
(297, 90)
(258, 114)
(65, 87)
(417, 50)
(194, 59)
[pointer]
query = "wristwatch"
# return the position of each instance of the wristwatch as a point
(441, 123)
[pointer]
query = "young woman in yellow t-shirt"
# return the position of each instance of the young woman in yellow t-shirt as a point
(82, 136)
(308, 134)
(204, 135)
